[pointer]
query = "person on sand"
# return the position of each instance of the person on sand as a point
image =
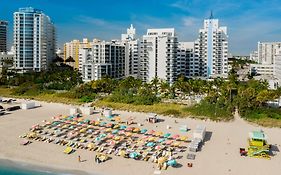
(79, 158)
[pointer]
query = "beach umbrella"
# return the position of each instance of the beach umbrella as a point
(130, 129)
(161, 140)
(158, 147)
(115, 131)
(117, 119)
(175, 136)
(83, 130)
(121, 132)
(116, 126)
(176, 144)
(151, 139)
(97, 123)
(143, 131)
(150, 144)
(122, 153)
(110, 136)
(133, 155)
(108, 130)
(123, 127)
(117, 138)
(169, 142)
(102, 135)
(172, 163)
(112, 143)
(102, 124)
(136, 130)
(183, 138)
(150, 132)
(91, 145)
(108, 125)
(162, 160)
(167, 135)
(128, 134)
(158, 134)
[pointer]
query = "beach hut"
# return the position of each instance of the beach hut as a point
(199, 132)
(107, 113)
(28, 105)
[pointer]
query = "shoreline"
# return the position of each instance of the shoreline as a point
(225, 140)
(38, 167)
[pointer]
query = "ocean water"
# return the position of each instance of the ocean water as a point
(12, 170)
(8, 167)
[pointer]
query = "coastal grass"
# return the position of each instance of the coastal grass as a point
(48, 96)
(269, 117)
(167, 109)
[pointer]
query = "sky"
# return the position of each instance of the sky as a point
(248, 21)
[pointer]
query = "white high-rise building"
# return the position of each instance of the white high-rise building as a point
(158, 57)
(266, 56)
(213, 49)
(132, 52)
(102, 59)
(267, 52)
(34, 40)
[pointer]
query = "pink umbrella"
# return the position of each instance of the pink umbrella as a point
(110, 136)
(169, 142)
(130, 129)
(158, 147)
(150, 132)
(176, 136)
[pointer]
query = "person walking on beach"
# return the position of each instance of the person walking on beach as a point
(79, 158)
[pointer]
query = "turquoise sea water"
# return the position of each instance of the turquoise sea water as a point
(15, 168)
(5, 170)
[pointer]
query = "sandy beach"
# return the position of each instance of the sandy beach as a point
(219, 155)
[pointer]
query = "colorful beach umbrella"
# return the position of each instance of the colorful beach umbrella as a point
(167, 135)
(143, 131)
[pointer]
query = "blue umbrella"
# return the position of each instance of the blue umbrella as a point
(133, 155)
(161, 140)
(167, 135)
(172, 163)
(123, 127)
(115, 131)
(150, 144)
(143, 131)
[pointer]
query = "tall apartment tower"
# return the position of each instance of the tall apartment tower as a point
(213, 49)
(3, 36)
(158, 57)
(34, 40)
(132, 52)
(102, 59)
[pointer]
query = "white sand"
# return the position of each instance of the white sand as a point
(219, 156)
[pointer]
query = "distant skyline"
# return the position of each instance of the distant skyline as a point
(248, 21)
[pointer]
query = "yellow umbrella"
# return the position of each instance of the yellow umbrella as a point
(158, 134)
(183, 138)
(136, 130)
(97, 122)
(151, 139)
(91, 145)
(117, 119)
(162, 160)
(176, 144)
(83, 130)
(128, 134)
(122, 153)
(108, 130)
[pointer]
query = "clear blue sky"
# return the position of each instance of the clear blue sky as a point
(248, 21)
